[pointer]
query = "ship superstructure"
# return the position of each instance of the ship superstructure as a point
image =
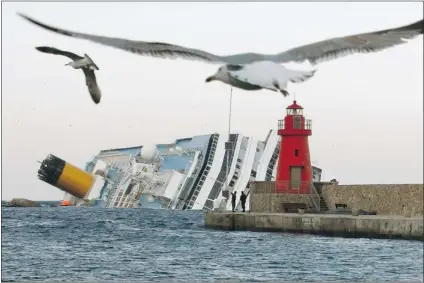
(189, 173)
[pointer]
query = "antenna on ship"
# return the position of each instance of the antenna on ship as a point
(228, 145)
(229, 115)
(229, 132)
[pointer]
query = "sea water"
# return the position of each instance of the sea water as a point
(85, 244)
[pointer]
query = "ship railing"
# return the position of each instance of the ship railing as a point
(126, 176)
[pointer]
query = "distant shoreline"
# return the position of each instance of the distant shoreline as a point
(40, 202)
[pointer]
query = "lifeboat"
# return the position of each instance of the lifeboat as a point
(65, 203)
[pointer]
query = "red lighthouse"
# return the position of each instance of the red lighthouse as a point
(294, 172)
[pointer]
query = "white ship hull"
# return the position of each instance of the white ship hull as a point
(187, 174)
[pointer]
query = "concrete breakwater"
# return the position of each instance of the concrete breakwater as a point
(369, 226)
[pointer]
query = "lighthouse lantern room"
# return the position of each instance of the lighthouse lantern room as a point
(294, 172)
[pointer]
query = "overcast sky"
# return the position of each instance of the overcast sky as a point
(366, 109)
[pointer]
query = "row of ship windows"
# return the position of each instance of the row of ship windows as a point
(203, 178)
(232, 183)
(268, 175)
(275, 155)
(272, 162)
(253, 173)
(213, 149)
(240, 161)
(208, 203)
(208, 167)
(196, 193)
(235, 178)
(212, 154)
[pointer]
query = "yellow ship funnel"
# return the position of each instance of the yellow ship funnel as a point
(57, 172)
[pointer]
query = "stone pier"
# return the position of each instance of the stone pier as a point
(369, 226)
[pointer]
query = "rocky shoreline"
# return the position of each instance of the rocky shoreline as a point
(22, 202)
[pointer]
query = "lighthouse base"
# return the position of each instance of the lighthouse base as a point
(293, 187)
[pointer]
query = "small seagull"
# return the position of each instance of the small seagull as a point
(84, 63)
(255, 71)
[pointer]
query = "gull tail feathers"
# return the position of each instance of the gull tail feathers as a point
(281, 87)
(300, 76)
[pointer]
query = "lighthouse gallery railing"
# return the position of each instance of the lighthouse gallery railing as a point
(306, 125)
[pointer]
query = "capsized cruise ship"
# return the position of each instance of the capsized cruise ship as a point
(189, 173)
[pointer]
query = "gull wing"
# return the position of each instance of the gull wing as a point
(342, 46)
(55, 51)
(91, 82)
(314, 53)
(155, 49)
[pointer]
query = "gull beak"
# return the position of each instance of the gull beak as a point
(211, 78)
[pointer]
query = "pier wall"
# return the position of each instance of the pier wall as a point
(369, 226)
(386, 199)
(264, 199)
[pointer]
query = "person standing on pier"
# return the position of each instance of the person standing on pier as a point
(243, 198)
(233, 200)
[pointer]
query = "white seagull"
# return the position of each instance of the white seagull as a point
(254, 71)
(84, 63)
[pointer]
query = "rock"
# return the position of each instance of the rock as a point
(21, 202)
(87, 203)
(355, 211)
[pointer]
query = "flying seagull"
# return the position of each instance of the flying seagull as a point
(84, 63)
(254, 71)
